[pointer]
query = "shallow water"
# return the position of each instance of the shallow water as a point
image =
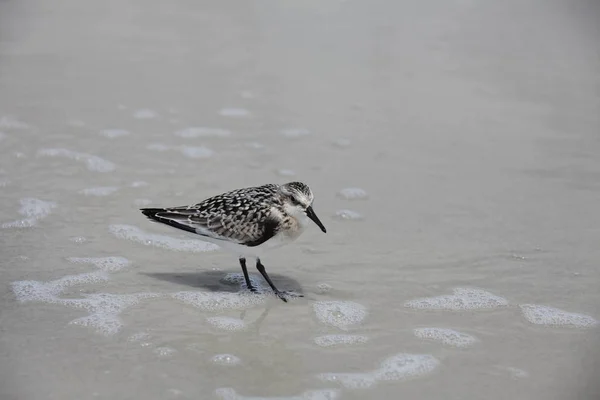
(452, 149)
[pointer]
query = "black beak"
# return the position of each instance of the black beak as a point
(311, 214)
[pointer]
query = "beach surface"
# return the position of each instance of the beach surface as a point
(452, 147)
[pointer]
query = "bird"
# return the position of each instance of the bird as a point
(247, 222)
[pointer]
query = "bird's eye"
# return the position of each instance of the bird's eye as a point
(295, 201)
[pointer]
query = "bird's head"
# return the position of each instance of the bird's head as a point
(297, 201)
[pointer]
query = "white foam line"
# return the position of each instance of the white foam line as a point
(341, 314)
(188, 151)
(165, 242)
(48, 292)
(99, 191)
(323, 394)
(108, 264)
(104, 309)
(550, 316)
(93, 163)
(195, 132)
(446, 336)
(12, 123)
(336, 340)
(398, 367)
(114, 133)
(462, 299)
(32, 208)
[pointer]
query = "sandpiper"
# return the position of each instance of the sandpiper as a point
(247, 221)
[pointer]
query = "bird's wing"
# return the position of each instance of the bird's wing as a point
(246, 220)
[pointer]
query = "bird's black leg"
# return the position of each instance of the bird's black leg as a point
(246, 277)
(263, 272)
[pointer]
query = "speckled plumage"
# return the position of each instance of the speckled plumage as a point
(246, 221)
(248, 216)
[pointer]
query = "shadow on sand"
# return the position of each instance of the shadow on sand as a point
(213, 280)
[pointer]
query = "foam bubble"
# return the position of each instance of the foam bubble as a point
(323, 394)
(324, 287)
(114, 133)
(398, 367)
(341, 314)
(93, 163)
(137, 184)
(104, 309)
(341, 143)
(219, 301)
(234, 112)
(32, 208)
(347, 215)
(203, 132)
(285, 172)
(48, 292)
(99, 191)
(108, 264)
(446, 336)
(295, 132)
(138, 337)
(336, 340)
(164, 351)
(462, 299)
(226, 360)
(158, 147)
(144, 113)
(227, 323)
(516, 373)
(78, 239)
(188, 151)
(544, 315)
(12, 123)
(196, 152)
(353, 193)
(165, 242)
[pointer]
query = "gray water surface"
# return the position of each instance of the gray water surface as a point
(452, 147)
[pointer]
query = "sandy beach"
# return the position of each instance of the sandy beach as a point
(452, 148)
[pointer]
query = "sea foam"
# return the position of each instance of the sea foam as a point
(462, 299)
(188, 151)
(336, 340)
(33, 209)
(227, 323)
(196, 132)
(347, 215)
(165, 242)
(99, 191)
(550, 316)
(93, 163)
(226, 360)
(446, 336)
(341, 314)
(108, 264)
(353, 193)
(398, 367)
(323, 394)
(219, 301)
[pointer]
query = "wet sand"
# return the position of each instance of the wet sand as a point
(452, 149)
